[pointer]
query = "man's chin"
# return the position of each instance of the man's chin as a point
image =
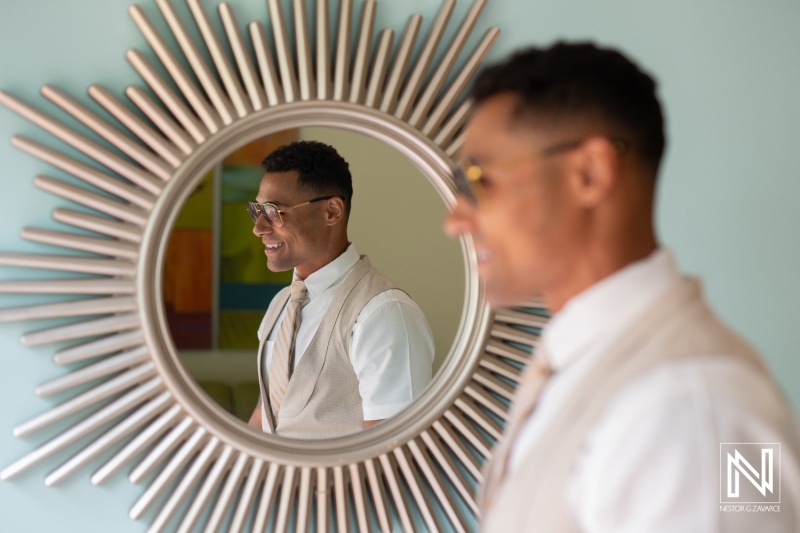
(504, 301)
(502, 295)
(273, 267)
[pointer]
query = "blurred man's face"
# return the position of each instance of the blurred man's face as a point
(301, 239)
(523, 224)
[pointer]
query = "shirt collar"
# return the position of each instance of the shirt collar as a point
(601, 313)
(321, 280)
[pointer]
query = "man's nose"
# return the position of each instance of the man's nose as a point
(461, 219)
(262, 227)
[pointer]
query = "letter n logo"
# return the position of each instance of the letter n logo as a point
(748, 472)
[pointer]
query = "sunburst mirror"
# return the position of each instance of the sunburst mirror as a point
(132, 404)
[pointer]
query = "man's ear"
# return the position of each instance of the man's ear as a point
(335, 211)
(598, 171)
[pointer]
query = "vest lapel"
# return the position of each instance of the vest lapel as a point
(532, 383)
(263, 382)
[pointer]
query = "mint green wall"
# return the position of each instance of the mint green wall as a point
(729, 78)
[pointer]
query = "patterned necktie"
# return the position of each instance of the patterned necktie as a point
(282, 353)
(524, 403)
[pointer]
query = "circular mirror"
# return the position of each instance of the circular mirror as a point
(473, 317)
(217, 286)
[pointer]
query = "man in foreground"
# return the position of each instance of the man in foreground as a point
(620, 420)
(342, 348)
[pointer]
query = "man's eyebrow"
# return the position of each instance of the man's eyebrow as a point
(475, 160)
(472, 159)
(277, 203)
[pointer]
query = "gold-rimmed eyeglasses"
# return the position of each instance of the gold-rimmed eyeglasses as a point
(469, 176)
(273, 214)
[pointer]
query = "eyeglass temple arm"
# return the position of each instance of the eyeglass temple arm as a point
(282, 211)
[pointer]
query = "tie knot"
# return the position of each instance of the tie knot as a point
(298, 290)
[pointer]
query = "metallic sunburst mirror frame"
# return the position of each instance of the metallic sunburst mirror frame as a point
(133, 397)
(458, 366)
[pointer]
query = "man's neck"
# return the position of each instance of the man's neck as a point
(331, 252)
(595, 268)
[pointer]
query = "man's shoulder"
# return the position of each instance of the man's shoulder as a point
(703, 380)
(371, 287)
(711, 368)
(683, 324)
(390, 298)
(376, 276)
(668, 424)
(709, 395)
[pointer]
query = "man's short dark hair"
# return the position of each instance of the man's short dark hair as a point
(573, 81)
(320, 169)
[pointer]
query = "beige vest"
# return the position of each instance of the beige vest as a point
(322, 399)
(679, 326)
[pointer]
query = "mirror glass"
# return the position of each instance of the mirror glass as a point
(217, 286)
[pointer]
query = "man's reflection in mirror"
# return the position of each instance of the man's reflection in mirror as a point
(343, 347)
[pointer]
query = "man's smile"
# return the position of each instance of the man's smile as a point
(272, 247)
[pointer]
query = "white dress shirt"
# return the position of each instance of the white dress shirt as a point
(679, 413)
(391, 348)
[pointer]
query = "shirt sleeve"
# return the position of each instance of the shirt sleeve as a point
(652, 463)
(392, 354)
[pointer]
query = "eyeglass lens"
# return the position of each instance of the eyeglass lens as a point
(268, 210)
(464, 186)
